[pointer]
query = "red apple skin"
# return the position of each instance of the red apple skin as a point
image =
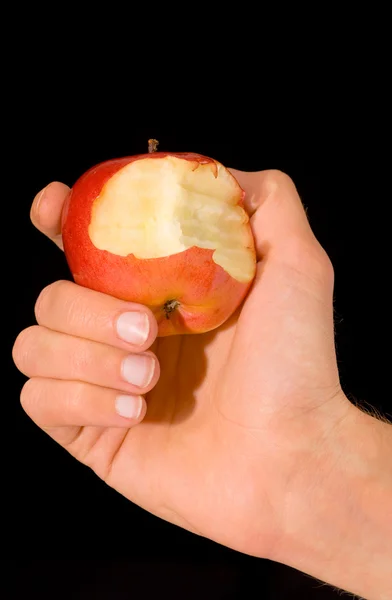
(206, 293)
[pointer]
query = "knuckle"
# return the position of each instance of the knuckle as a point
(75, 398)
(47, 297)
(82, 361)
(274, 180)
(325, 260)
(77, 311)
(326, 266)
(24, 348)
(74, 304)
(319, 258)
(30, 396)
(309, 256)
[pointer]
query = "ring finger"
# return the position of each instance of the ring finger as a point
(54, 403)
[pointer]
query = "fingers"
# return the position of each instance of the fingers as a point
(51, 403)
(66, 307)
(87, 360)
(46, 211)
(41, 352)
(278, 217)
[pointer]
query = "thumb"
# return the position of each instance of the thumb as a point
(277, 214)
(284, 240)
(284, 341)
(46, 211)
(294, 278)
(287, 250)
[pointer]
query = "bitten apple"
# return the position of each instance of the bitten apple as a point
(167, 230)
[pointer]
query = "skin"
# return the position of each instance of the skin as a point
(248, 438)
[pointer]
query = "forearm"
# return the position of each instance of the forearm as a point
(343, 529)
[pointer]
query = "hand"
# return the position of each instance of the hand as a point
(253, 401)
(239, 423)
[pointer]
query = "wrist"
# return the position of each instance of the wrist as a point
(338, 527)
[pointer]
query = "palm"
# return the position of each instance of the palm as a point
(203, 405)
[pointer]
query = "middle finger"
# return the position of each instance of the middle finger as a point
(41, 352)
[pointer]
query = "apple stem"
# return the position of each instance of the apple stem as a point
(169, 306)
(152, 145)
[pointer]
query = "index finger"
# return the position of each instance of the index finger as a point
(65, 307)
(46, 211)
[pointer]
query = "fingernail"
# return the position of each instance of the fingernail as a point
(138, 369)
(133, 327)
(129, 406)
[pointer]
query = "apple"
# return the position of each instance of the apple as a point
(164, 229)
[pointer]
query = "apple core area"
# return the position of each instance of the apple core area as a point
(156, 207)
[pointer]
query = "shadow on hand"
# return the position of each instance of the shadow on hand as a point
(184, 368)
(187, 360)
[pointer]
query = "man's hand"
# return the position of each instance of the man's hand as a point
(238, 430)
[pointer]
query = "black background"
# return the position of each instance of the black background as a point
(72, 536)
